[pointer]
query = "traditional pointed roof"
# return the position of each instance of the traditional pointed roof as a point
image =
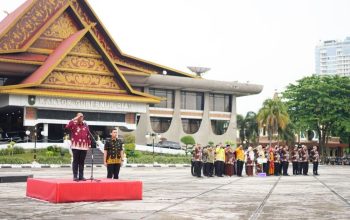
(33, 83)
(24, 26)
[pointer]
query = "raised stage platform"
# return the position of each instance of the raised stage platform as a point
(63, 190)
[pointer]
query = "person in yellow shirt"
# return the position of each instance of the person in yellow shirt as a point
(240, 159)
(219, 160)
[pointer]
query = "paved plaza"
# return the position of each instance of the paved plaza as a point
(172, 193)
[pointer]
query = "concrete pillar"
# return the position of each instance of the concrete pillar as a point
(45, 132)
(175, 131)
(144, 125)
(204, 133)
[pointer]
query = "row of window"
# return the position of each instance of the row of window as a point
(192, 100)
(190, 126)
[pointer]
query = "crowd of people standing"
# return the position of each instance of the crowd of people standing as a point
(223, 160)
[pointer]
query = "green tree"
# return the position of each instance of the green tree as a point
(10, 147)
(320, 103)
(342, 130)
(129, 146)
(188, 140)
(240, 127)
(129, 139)
(274, 116)
(248, 128)
(288, 134)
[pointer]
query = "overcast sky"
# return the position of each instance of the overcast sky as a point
(267, 42)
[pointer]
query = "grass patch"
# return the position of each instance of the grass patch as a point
(147, 158)
(42, 157)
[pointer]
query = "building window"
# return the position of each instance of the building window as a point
(219, 127)
(5, 81)
(90, 116)
(220, 102)
(168, 95)
(192, 100)
(160, 125)
(191, 126)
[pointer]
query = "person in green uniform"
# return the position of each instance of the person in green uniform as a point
(113, 155)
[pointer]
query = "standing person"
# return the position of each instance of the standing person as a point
(281, 152)
(295, 158)
(277, 161)
(240, 160)
(285, 161)
(229, 157)
(271, 161)
(267, 156)
(249, 160)
(192, 163)
(234, 161)
(219, 160)
(198, 161)
(80, 144)
(300, 160)
(315, 157)
(260, 159)
(205, 160)
(305, 160)
(264, 160)
(210, 161)
(256, 156)
(113, 155)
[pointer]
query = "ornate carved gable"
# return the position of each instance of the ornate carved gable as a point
(27, 25)
(34, 17)
(62, 28)
(84, 69)
(85, 47)
(59, 30)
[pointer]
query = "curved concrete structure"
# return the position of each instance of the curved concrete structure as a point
(178, 84)
(195, 84)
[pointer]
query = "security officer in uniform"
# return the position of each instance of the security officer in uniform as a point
(113, 155)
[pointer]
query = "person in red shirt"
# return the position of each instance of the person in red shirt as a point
(80, 143)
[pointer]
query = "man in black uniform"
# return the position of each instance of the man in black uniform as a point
(113, 155)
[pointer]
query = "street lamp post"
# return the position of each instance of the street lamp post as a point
(321, 144)
(35, 138)
(153, 136)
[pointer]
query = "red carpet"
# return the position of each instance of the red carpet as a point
(63, 190)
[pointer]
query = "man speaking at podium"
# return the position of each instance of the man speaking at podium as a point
(80, 143)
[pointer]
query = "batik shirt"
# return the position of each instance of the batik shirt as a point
(114, 149)
(80, 136)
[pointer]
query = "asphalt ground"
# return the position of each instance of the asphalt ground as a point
(172, 193)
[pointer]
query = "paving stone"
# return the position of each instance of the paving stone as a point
(172, 193)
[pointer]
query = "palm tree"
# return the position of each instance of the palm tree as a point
(273, 115)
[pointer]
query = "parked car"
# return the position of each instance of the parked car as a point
(169, 144)
(16, 136)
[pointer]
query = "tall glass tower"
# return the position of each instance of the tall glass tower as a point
(333, 57)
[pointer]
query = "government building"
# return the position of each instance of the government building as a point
(57, 59)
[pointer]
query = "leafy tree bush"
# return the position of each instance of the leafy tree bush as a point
(18, 150)
(49, 153)
(129, 139)
(10, 147)
(188, 140)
